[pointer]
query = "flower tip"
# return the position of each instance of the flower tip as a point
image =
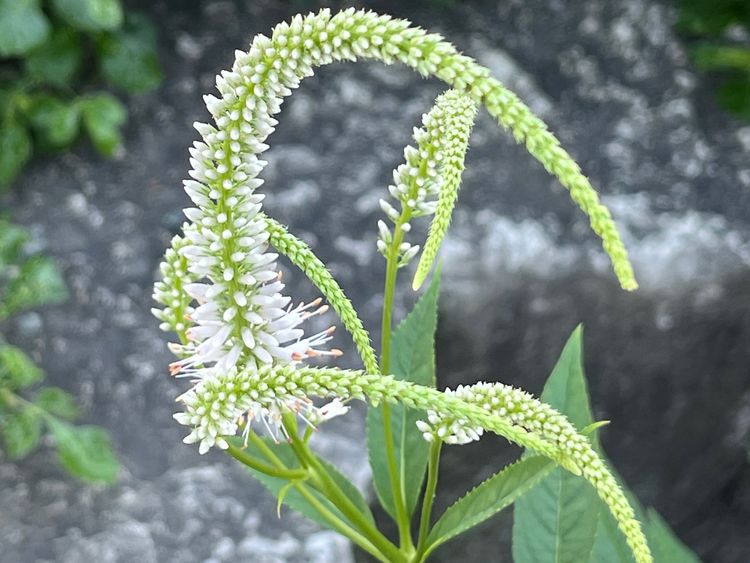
(418, 280)
(629, 285)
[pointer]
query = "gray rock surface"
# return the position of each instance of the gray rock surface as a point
(668, 365)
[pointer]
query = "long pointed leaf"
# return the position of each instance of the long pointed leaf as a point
(488, 498)
(557, 521)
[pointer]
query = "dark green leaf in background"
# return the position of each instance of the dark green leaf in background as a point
(734, 95)
(17, 370)
(15, 148)
(413, 359)
(55, 121)
(12, 239)
(544, 530)
(21, 432)
(56, 60)
(84, 451)
(103, 115)
(38, 283)
(57, 402)
(90, 15)
(128, 56)
(22, 26)
(556, 521)
(666, 547)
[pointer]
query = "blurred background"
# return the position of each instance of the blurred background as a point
(651, 97)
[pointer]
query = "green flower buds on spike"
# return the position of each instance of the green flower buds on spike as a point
(303, 257)
(453, 131)
(170, 291)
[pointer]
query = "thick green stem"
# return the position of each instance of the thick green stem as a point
(429, 497)
(336, 523)
(246, 459)
(399, 496)
(327, 486)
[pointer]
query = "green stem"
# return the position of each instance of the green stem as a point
(243, 457)
(429, 497)
(327, 486)
(336, 523)
(399, 495)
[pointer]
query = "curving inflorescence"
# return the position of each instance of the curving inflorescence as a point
(240, 337)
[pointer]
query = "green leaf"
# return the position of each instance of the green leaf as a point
(489, 498)
(56, 60)
(103, 115)
(609, 542)
(17, 370)
(90, 15)
(55, 121)
(128, 56)
(12, 239)
(22, 26)
(666, 546)
(734, 95)
(21, 432)
(84, 451)
(413, 359)
(38, 283)
(58, 402)
(292, 497)
(557, 520)
(15, 148)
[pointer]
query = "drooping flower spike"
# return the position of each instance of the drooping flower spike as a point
(428, 179)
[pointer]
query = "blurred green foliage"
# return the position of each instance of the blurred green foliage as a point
(52, 53)
(719, 33)
(26, 406)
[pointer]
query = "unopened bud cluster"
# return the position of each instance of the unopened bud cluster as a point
(430, 166)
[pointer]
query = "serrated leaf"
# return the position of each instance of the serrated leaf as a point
(103, 115)
(489, 498)
(56, 60)
(15, 149)
(38, 283)
(90, 15)
(292, 497)
(128, 56)
(57, 402)
(413, 359)
(21, 432)
(557, 520)
(22, 26)
(17, 370)
(666, 546)
(84, 451)
(55, 121)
